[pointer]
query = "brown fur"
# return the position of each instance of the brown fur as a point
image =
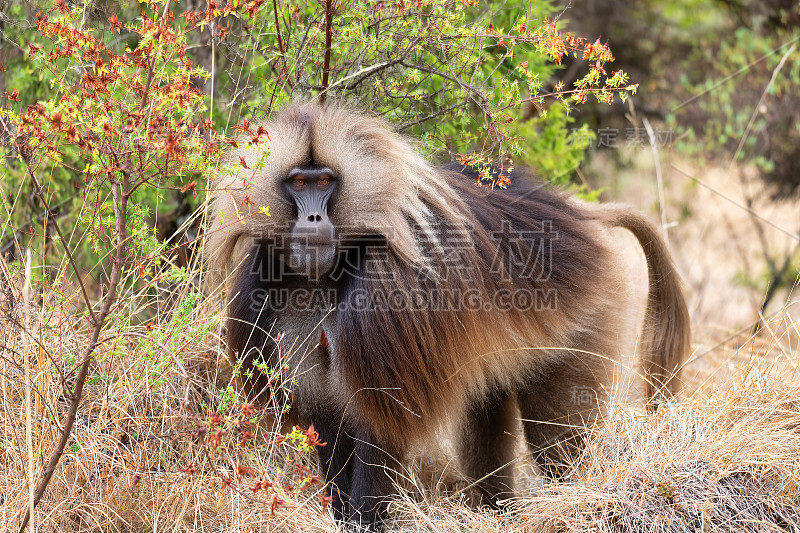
(392, 375)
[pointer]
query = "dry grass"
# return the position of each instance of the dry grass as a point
(729, 461)
(719, 459)
(135, 430)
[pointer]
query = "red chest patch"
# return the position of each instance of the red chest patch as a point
(323, 340)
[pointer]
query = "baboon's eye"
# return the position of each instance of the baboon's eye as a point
(298, 183)
(325, 181)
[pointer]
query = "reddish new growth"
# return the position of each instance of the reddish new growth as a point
(260, 132)
(189, 470)
(233, 436)
(153, 110)
(191, 186)
(274, 503)
(325, 500)
(548, 40)
(242, 471)
(115, 24)
(313, 437)
(557, 45)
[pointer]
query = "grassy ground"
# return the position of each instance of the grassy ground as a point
(725, 456)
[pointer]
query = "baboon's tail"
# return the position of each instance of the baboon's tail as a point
(665, 341)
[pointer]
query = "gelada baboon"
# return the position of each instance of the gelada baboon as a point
(403, 298)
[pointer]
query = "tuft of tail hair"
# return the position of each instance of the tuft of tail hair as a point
(666, 337)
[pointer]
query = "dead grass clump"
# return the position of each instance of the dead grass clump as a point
(729, 461)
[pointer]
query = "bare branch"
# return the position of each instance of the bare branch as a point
(326, 67)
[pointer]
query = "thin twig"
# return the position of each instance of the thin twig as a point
(659, 178)
(794, 236)
(26, 309)
(471, 91)
(777, 276)
(213, 73)
(151, 68)
(326, 67)
(742, 70)
(278, 32)
(760, 102)
(444, 111)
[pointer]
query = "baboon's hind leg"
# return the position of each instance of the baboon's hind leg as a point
(556, 408)
(487, 448)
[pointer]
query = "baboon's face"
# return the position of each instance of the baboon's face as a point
(312, 239)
